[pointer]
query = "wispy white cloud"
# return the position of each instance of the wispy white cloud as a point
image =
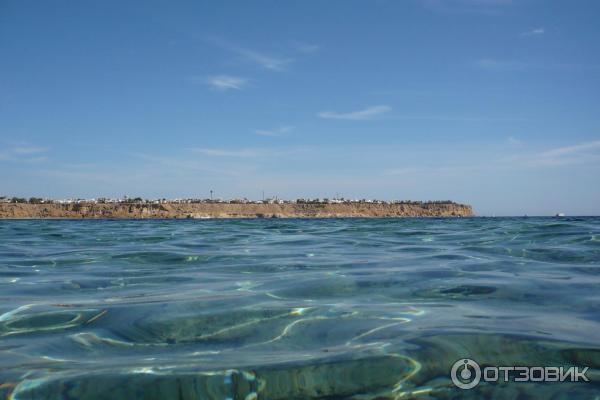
(211, 152)
(183, 163)
(491, 64)
(27, 150)
(282, 130)
(514, 141)
(571, 150)
(266, 61)
(24, 153)
(581, 153)
(226, 82)
(78, 175)
(246, 152)
(365, 114)
(534, 32)
(437, 170)
(402, 171)
(34, 160)
(467, 6)
(307, 48)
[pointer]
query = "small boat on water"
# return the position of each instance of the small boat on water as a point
(560, 215)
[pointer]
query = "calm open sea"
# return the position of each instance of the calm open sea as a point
(294, 309)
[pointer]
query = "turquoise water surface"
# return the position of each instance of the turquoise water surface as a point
(294, 309)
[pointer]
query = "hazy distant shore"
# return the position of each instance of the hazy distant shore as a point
(227, 210)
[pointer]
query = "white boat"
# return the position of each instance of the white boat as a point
(560, 215)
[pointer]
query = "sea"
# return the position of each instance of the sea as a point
(300, 309)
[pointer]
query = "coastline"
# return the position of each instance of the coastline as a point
(226, 210)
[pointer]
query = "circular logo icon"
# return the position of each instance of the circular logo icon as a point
(465, 373)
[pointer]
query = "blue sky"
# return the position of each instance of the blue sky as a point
(490, 102)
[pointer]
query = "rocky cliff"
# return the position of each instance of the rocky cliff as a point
(220, 210)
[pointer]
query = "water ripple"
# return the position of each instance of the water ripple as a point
(277, 309)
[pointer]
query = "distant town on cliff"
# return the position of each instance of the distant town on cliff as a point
(269, 200)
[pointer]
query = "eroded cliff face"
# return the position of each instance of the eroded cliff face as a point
(174, 210)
